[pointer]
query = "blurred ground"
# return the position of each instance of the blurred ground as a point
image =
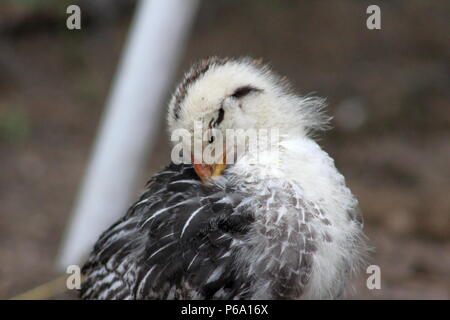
(387, 89)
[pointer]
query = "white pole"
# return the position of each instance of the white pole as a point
(129, 125)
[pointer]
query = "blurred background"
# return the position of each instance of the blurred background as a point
(388, 91)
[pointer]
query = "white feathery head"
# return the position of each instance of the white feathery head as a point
(240, 94)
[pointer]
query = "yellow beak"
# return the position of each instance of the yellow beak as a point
(207, 171)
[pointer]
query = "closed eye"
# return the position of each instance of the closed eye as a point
(243, 91)
(220, 117)
(214, 123)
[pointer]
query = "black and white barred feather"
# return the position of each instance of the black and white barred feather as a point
(174, 243)
(186, 240)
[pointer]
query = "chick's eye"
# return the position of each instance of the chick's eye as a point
(220, 117)
(243, 91)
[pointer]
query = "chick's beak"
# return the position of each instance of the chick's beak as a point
(208, 171)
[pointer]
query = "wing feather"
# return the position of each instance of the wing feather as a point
(174, 242)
